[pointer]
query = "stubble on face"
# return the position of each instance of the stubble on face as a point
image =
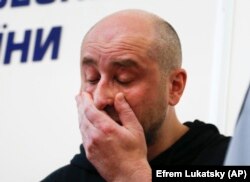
(153, 118)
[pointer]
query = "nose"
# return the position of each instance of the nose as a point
(104, 95)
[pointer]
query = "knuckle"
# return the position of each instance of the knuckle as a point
(94, 140)
(90, 148)
(88, 111)
(107, 129)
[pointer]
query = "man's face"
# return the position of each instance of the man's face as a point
(113, 63)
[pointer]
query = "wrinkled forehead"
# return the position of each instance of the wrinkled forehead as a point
(133, 46)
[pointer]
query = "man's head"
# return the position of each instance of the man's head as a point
(138, 54)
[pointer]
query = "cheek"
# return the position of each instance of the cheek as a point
(146, 102)
(139, 100)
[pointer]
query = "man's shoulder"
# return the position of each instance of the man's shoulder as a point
(201, 145)
(210, 143)
(60, 174)
(71, 173)
(79, 169)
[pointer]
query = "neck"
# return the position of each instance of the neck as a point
(171, 131)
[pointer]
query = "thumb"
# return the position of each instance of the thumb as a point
(126, 114)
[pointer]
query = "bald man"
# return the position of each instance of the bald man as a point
(131, 80)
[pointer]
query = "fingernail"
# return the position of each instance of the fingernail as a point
(120, 97)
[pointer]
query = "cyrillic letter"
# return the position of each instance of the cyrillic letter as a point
(16, 3)
(23, 47)
(53, 38)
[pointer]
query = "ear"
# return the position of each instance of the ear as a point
(177, 82)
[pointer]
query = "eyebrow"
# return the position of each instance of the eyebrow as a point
(120, 63)
(89, 61)
(125, 63)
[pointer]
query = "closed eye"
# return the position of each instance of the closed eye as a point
(123, 81)
(92, 81)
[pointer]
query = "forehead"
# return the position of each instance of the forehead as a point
(118, 43)
(119, 36)
(136, 48)
(124, 51)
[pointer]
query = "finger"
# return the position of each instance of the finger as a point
(89, 134)
(78, 99)
(126, 114)
(84, 103)
(90, 111)
(84, 124)
(87, 129)
(98, 118)
(91, 131)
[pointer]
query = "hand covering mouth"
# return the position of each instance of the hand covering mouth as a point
(111, 112)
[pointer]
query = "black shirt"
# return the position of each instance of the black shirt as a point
(201, 145)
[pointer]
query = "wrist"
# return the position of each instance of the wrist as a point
(141, 172)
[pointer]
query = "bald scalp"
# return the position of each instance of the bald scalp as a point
(165, 47)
